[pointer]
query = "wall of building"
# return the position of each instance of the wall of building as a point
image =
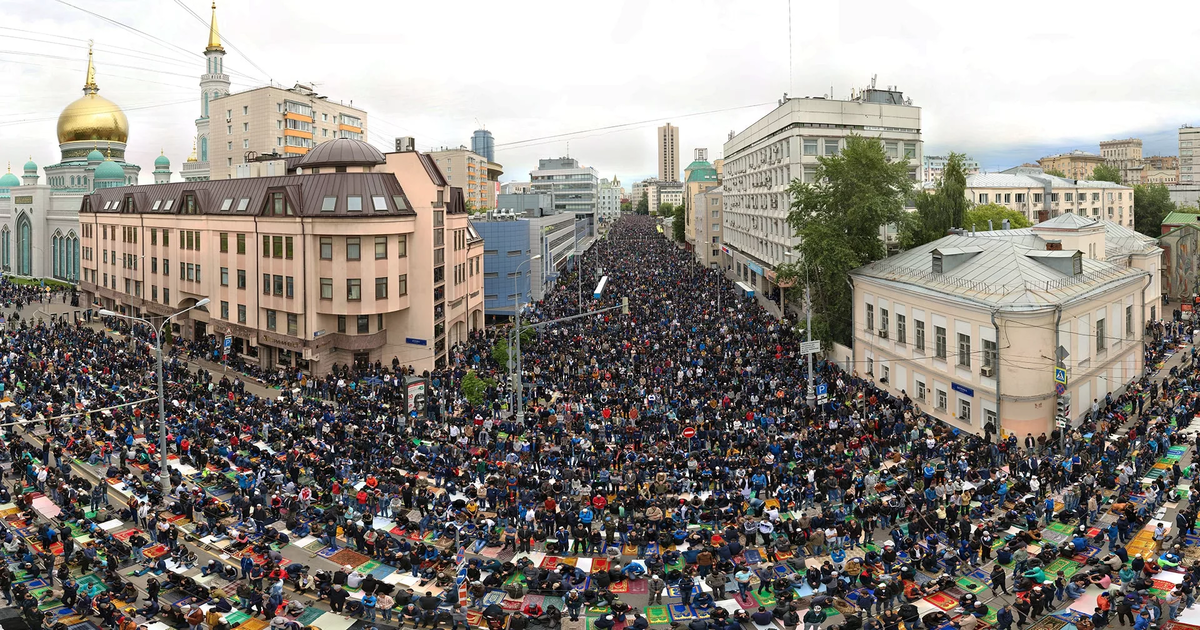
(1181, 264)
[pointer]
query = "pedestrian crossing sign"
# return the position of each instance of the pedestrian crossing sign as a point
(1060, 375)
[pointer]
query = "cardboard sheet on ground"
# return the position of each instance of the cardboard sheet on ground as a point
(1189, 616)
(1086, 603)
(112, 525)
(584, 564)
(304, 542)
(46, 507)
(380, 522)
(1169, 576)
(729, 604)
(333, 621)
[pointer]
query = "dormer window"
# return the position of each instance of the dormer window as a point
(189, 205)
(278, 206)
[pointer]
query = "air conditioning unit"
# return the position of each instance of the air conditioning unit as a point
(987, 371)
(883, 333)
(229, 119)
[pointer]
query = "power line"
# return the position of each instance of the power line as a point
(125, 109)
(115, 76)
(113, 65)
(127, 27)
(226, 40)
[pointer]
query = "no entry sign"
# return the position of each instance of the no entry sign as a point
(689, 432)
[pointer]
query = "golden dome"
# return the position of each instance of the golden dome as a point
(92, 117)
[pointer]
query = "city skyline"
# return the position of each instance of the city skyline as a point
(977, 107)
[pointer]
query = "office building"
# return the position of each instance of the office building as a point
(932, 167)
(572, 188)
(514, 188)
(472, 172)
(1074, 165)
(783, 146)
(283, 259)
(482, 144)
(523, 226)
(1126, 155)
(1039, 196)
(659, 192)
(668, 153)
(969, 326)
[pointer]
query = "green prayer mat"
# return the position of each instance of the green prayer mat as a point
(658, 614)
(765, 599)
(596, 610)
(309, 615)
(236, 617)
(368, 566)
(970, 585)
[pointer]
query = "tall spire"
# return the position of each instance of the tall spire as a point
(214, 37)
(90, 86)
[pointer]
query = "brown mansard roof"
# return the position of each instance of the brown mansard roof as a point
(305, 193)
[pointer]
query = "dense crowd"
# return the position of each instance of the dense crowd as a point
(598, 466)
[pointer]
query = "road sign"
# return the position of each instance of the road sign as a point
(689, 432)
(822, 392)
(228, 342)
(810, 347)
(1060, 389)
(1060, 375)
(1062, 424)
(1061, 354)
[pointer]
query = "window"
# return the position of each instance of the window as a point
(241, 313)
(1020, 197)
(290, 284)
(326, 288)
(353, 289)
(270, 319)
(831, 146)
(363, 324)
(243, 203)
(920, 387)
(380, 203)
(293, 324)
(989, 354)
(341, 323)
(989, 417)
(402, 246)
(352, 248)
(910, 150)
(241, 243)
(328, 204)
(225, 240)
(381, 288)
(326, 248)
(380, 247)
(1128, 321)
(1037, 197)
(153, 236)
(892, 150)
(964, 410)
(245, 126)
(810, 146)
(166, 267)
(983, 197)
(402, 287)
(870, 317)
(287, 247)
(266, 284)
(901, 329)
(224, 309)
(940, 403)
(277, 284)
(266, 246)
(241, 279)
(964, 350)
(153, 265)
(939, 342)
(166, 295)
(1100, 343)
(870, 366)
(883, 320)
(277, 247)
(919, 335)
(1066, 196)
(353, 203)
(224, 276)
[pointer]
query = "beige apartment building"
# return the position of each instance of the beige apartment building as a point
(272, 120)
(353, 257)
(1074, 165)
(1189, 145)
(1126, 155)
(699, 177)
(472, 172)
(1039, 196)
(668, 153)
(968, 326)
(705, 228)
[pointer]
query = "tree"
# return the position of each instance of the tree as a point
(1106, 173)
(626, 205)
(996, 213)
(678, 231)
(940, 210)
(1055, 172)
(474, 387)
(838, 221)
(1152, 203)
(643, 204)
(666, 210)
(500, 352)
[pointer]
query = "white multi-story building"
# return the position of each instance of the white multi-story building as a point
(933, 165)
(1189, 141)
(1038, 196)
(573, 188)
(784, 145)
(608, 207)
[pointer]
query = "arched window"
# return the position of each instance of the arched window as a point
(74, 275)
(6, 249)
(24, 246)
(204, 97)
(203, 148)
(55, 255)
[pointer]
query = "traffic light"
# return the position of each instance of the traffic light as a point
(624, 306)
(1064, 408)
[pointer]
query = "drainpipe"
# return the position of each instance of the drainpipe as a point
(999, 423)
(849, 281)
(1058, 320)
(1142, 336)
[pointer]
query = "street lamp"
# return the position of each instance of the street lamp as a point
(517, 363)
(788, 256)
(163, 475)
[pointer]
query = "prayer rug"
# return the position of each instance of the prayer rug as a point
(638, 587)
(1176, 625)
(83, 625)
(619, 588)
(512, 605)
(475, 619)
(679, 612)
(970, 585)
(673, 591)
(156, 551)
(753, 557)
(506, 555)
(765, 599)
(126, 535)
(945, 602)
(348, 557)
(600, 564)
(382, 571)
(1049, 623)
(315, 546)
(550, 563)
(631, 550)
(654, 614)
(749, 603)
(236, 617)
(596, 610)
(568, 561)
(493, 597)
(254, 623)
(555, 601)
(328, 552)
(368, 566)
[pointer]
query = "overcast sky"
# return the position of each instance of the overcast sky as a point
(1006, 83)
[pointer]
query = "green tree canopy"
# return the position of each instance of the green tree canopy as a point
(626, 206)
(474, 388)
(938, 211)
(838, 219)
(643, 204)
(979, 216)
(679, 224)
(666, 209)
(1152, 203)
(1055, 172)
(1107, 173)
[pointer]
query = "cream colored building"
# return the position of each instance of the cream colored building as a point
(968, 326)
(699, 177)
(1074, 165)
(354, 257)
(1126, 155)
(1039, 196)
(668, 153)
(1166, 177)
(471, 172)
(705, 227)
(1189, 155)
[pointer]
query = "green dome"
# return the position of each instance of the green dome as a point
(698, 164)
(109, 170)
(95, 156)
(703, 174)
(30, 166)
(9, 181)
(161, 162)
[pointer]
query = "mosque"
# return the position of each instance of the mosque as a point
(39, 220)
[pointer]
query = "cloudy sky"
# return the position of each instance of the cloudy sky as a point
(1007, 84)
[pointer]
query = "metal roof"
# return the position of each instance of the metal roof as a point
(1181, 218)
(305, 193)
(341, 152)
(1003, 274)
(1020, 180)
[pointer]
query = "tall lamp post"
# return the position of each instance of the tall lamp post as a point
(163, 475)
(517, 332)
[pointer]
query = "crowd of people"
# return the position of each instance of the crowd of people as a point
(861, 503)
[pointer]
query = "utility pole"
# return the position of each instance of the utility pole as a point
(812, 382)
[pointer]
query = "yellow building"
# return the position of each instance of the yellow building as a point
(1074, 165)
(471, 172)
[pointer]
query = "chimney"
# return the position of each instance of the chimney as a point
(1004, 225)
(1053, 245)
(1043, 216)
